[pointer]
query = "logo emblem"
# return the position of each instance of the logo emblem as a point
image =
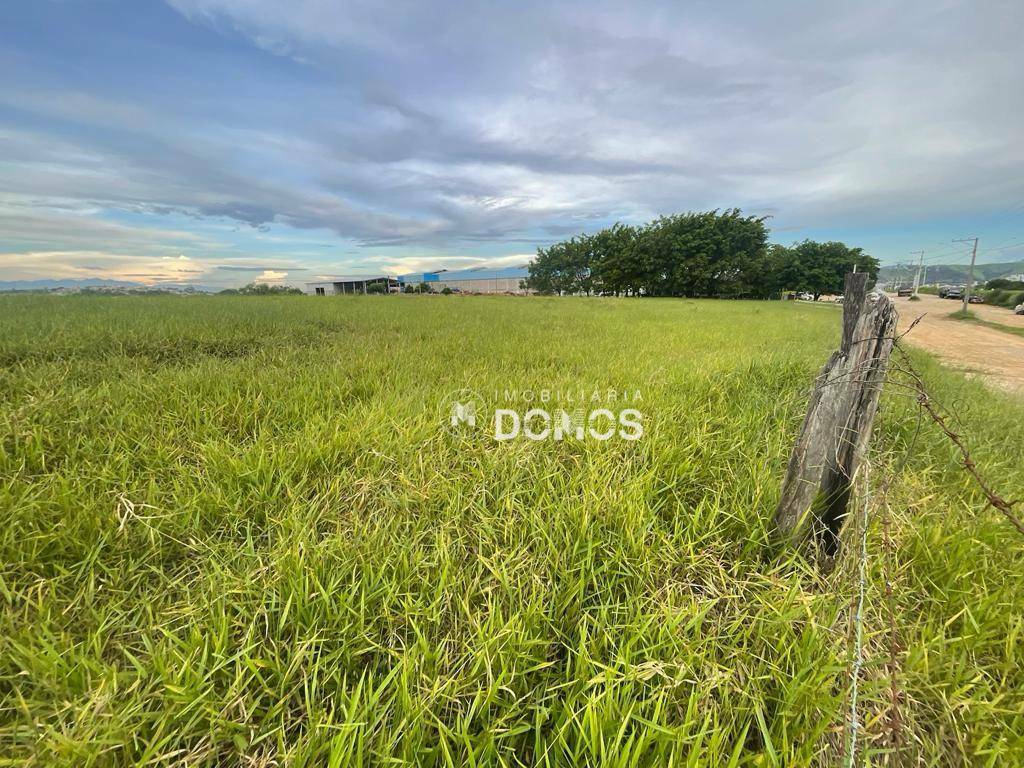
(460, 411)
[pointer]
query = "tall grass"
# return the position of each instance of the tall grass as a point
(233, 531)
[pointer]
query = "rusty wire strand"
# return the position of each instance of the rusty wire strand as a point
(925, 400)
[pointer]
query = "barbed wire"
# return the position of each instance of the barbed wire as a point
(858, 620)
(927, 403)
(914, 386)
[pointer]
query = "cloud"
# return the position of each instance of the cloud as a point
(422, 134)
(271, 276)
(258, 268)
(91, 264)
(52, 223)
(413, 264)
(593, 108)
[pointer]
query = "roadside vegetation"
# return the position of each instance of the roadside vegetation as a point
(237, 533)
(972, 317)
(999, 293)
(1004, 293)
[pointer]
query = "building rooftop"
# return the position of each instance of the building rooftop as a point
(352, 278)
(474, 273)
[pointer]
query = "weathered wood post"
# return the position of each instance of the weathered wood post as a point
(837, 426)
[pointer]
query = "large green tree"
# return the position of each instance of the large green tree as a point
(819, 268)
(615, 268)
(711, 253)
(561, 268)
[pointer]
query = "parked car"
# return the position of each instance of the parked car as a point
(954, 293)
(976, 299)
(1019, 309)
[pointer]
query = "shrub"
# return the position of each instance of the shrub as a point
(1002, 283)
(1002, 297)
(262, 289)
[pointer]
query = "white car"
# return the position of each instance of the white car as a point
(1019, 309)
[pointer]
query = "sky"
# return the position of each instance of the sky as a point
(219, 142)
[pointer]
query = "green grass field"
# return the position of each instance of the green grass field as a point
(235, 531)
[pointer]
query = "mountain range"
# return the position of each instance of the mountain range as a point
(953, 274)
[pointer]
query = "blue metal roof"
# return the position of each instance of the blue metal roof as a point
(418, 277)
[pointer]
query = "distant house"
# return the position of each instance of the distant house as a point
(354, 284)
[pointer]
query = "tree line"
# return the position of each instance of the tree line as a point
(262, 289)
(721, 254)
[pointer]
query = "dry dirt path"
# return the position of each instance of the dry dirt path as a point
(995, 357)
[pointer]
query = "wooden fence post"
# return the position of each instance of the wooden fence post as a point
(837, 427)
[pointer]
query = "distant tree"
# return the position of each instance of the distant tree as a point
(556, 268)
(713, 253)
(262, 289)
(784, 271)
(709, 254)
(579, 264)
(693, 254)
(376, 288)
(615, 268)
(820, 268)
(1002, 283)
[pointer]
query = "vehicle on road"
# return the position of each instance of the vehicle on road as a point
(1019, 309)
(976, 299)
(954, 293)
(904, 292)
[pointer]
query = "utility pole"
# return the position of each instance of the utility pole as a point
(970, 274)
(917, 275)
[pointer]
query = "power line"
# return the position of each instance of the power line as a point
(948, 254)
(1005, 246)
(966, 251)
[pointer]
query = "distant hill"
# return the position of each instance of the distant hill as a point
(953, 274)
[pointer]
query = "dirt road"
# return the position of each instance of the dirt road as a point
(994, 356)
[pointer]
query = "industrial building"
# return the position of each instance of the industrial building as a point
(476, 280)
(354, 284)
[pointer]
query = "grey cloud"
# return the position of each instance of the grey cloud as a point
(426, 124)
